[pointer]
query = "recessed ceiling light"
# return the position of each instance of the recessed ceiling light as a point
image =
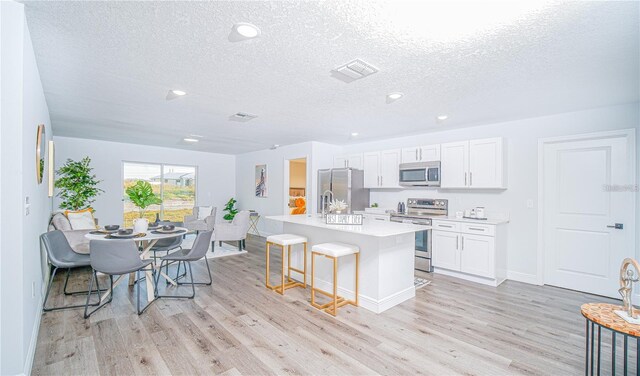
(392, 97)
(275, 146)
(195, 135)
(243, 31)
(190, 139)
(179, 92)
(442, 117)
(354, 134)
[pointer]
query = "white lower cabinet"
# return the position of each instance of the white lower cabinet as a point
(477, 252)
(459, 252)
(448, 246)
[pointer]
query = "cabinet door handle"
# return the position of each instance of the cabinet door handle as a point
(378, 180)
(476, 229)
(447, 226)
(470, 178)
(462, 243)
(417, 155)
(457, 241)
(465, 178)
(381, 180)
(420, 154)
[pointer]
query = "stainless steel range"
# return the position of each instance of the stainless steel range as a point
(420, 211)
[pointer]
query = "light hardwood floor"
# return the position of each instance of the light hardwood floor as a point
(236, 326)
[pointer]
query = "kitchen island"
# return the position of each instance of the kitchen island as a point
(386, 258)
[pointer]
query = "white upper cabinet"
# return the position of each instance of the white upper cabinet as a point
(421, 154)
(486, 163)
(381, 169)
(454, 165)
(340, 161)
(348, 160)
(473, 164)
(389, 173)
(371, 167)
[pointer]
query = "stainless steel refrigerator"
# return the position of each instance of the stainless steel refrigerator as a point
(346, 184)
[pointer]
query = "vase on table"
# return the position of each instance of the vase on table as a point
(140, 225)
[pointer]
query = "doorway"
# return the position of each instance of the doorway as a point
(297, 186)
(587, 210)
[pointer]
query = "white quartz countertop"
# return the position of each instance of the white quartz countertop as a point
(488, 221)
(369, 228)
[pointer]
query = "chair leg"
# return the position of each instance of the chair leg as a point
(86, 306)
(153, 274)
(46, 297)
(239, 245)
(179, 283)
(213, 246)
(198, 283)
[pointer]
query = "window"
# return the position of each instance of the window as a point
(176, 185)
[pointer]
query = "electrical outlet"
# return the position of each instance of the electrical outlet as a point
(27, 206)
(33, 289)
(530, 203)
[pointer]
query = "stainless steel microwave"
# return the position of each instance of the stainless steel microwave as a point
(420, 174)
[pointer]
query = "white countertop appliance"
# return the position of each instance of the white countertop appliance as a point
(420, 211)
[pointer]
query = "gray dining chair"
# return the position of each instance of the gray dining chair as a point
(117, 258)
(186, 256)
(61, 256)
(166, 245)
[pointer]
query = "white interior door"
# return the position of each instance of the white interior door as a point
(581, 251)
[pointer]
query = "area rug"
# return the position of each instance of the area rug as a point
(221, 251)
(420, 282)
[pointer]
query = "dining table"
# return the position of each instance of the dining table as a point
(145, 242)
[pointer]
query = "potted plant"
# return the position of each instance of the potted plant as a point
(230, 208)
(76, 184)
(142, 196)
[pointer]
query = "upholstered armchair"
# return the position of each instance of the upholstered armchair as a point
(236, 230)
(202, 219)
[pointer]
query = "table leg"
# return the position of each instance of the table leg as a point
(145, 255)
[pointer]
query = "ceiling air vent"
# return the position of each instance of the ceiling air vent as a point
(242, 117)
(353, 70)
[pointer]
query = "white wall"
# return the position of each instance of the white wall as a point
(23, 107)
(522, 137)
(215, 181)
(318, 155)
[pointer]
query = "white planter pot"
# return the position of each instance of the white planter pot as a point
(140, 225)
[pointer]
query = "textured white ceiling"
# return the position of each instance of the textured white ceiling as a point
(106, 67)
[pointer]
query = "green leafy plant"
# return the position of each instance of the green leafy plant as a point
(77, 185)
(142, 196)
(230, 208)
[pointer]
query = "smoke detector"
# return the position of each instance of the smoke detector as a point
(353, 70)
(242, 117)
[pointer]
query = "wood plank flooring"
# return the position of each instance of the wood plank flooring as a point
(236, 326)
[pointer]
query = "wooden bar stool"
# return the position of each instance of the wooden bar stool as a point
(286, 241)
(333, 251)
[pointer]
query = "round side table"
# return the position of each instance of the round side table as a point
(602, 315)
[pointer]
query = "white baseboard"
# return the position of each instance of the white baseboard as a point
(531, 279)
(367, 302)
(31, 352)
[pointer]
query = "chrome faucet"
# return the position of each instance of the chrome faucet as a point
(323, 201)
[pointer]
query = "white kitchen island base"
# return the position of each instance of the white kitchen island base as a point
(386, 259)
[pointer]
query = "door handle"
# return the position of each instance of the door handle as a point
(617, 226)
